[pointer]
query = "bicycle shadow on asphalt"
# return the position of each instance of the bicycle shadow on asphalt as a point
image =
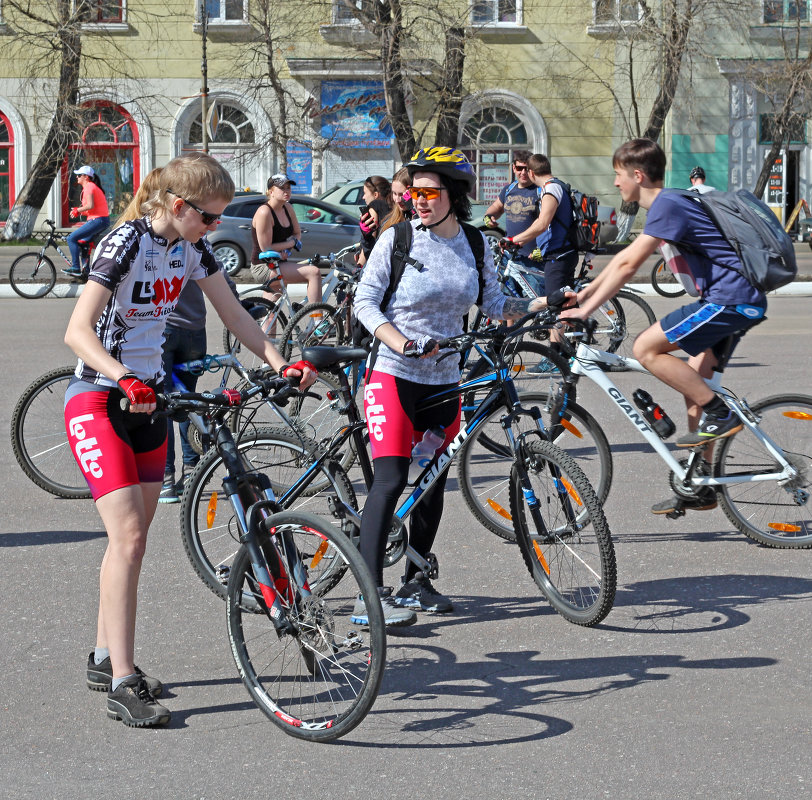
(700, 603)
(36, 538)
(494, 701)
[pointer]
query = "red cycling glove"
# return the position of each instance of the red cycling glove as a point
(136, 391)
(300, 365)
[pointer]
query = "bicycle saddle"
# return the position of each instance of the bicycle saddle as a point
(323, 357)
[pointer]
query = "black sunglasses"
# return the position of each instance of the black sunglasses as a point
(207, 218)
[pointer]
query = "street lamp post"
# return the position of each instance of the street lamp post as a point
(204, 89)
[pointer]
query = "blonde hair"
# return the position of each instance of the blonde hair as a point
(195, 177)
(144, 197)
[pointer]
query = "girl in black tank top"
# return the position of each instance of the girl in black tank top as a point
(269, 232)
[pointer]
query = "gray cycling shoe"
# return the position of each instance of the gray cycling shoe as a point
(393, 615)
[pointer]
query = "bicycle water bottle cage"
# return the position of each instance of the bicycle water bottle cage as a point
(270, 255)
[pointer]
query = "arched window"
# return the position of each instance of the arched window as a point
(6, 167)
(109, 145)
(234, 140)
(489, 137)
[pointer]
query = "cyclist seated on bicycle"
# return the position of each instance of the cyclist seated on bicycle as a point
(93, 205)
(728, 303)
(117, 330)
(275, 227)
(439, 285)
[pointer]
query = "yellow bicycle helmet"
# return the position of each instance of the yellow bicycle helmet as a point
(446, 161)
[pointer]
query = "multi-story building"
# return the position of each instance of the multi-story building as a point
(548, 76)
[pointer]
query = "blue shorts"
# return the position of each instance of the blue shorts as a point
(701, 326)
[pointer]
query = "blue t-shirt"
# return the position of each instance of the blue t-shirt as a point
(556, 238)
(521, 211)
(713, 262)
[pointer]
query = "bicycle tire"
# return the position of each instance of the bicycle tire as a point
(32, 275)
(637, 317)
(39, 440)
(664, 281)
(319, 681)
(302, 330)
(211, 535)
(524, 356)
(484, 466)
(765, 511)
(573, 564)
(271, 321)
(317, 419)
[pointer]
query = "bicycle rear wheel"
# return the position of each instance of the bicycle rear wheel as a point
(776, 514)
(664, 281)
(319, 680)
(208, 523)
(566, 545)
(32, 275)
(485, 460)
(39, 440)
(315, 324)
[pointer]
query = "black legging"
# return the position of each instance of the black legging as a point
(391, 474)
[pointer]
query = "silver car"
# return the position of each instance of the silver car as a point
(325, 229)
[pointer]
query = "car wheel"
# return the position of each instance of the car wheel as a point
(230, 256)
(493, 236)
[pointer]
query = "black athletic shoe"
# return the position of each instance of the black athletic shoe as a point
(100, 677)
(704, 501)
(135, 706)
(419, 593)
(710, 429)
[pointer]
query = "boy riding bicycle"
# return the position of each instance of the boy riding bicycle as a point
(728, 303)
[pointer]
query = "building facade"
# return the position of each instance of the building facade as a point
(545, 76)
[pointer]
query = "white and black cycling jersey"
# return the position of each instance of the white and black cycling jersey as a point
(146, 274)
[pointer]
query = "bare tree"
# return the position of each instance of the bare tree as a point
(435, 80)
(786, 85)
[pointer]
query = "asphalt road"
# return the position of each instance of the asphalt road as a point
(697, 683)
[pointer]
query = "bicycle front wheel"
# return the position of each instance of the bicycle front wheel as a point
(209, 526)
(485, 460)
(315, 324)
(271, 319)
(773, 513)
(664, 281)
(318, 680)
(32, 275)
(637, 317)
(565, 542)
(39, 440)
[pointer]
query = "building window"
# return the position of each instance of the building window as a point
(786, 11)
(767, 130)
(108, 11)
(488, 139)
(342, 15)
(6, 168)
(226, 11)
(109, 145)
(496, 12)
(615, 12)
(232, 127)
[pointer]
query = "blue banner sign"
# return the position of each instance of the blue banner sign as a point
(353, 114)
(300, 167)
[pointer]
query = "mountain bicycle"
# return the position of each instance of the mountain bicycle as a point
(761, 475)
(290, 594)
(559, 523)
(33, 275)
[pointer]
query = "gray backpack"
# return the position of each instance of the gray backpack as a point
(754, 232)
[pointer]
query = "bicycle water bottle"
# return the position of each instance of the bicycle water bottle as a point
(660, 422)
(424, 451)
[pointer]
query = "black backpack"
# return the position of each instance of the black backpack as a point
(401, 248)
(764, 248)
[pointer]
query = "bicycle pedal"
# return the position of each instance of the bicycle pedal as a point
(676, 513)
